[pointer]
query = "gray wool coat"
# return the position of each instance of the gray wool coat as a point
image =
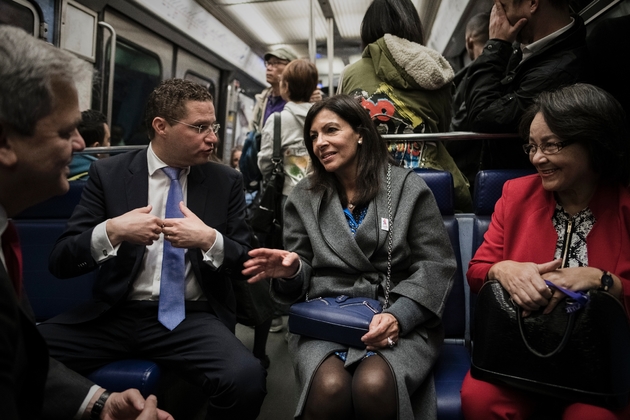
(335, 263)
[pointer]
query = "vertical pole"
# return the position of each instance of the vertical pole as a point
(331, 54)
(312, 46)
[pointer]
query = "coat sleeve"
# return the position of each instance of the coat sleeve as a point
(71, 256)
(493, 102)
(432, 264)
(491, 250)
(65, 392)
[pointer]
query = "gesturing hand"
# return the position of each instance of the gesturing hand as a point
(270, 263)
(189, 231)
(137, 226)
(130, 405)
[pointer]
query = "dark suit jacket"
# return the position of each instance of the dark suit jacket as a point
(29, 379)
(119, 184)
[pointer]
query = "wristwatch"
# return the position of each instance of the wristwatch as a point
(607, 281)
(97, 408)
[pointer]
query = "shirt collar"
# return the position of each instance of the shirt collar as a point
(154, 163)
(534, 47)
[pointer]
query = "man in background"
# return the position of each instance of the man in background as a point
(95, 132)
(503, 81)
(39, 115)
(467, 154)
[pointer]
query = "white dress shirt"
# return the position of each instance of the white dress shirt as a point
(147, 285)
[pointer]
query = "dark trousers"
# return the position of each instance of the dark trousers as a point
(202, 349)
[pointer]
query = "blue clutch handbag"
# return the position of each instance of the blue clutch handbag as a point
(343, 319)
(340, 319)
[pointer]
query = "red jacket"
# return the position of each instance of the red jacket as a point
(522, 230)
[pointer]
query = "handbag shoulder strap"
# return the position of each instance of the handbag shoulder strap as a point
(390, 234)
(277, 121)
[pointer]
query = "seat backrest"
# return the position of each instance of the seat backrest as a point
(39, 228)
(489, 186)
(454, 317)
(441, 185)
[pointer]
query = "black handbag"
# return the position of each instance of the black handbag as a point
(266, 218)
(576, 355)
(342, 319)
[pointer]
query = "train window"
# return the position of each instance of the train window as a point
(19, 13)
(137, 72)
(209, 84)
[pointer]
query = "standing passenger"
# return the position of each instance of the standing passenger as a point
(166, 230)
(39, 115)
(406, 87)
(503, 81)
(297, 84)
(467, 154)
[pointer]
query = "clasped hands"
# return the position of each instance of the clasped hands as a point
(276, 263)
(140, 227)
(525, 282)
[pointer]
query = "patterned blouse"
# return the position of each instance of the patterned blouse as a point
(574, 230)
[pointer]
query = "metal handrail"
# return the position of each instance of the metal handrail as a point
(454, 135)
(112, 150)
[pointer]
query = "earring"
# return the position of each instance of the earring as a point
(360, 141)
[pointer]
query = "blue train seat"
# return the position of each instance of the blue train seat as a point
(488, 189)
(454, 360)
(39, 227)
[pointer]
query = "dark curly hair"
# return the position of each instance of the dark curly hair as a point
(168, 100)
(588, 115)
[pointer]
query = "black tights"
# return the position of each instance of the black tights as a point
(336, 393)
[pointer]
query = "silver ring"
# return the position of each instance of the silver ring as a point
(390, 343)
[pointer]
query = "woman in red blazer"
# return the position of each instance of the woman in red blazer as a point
(570, 223)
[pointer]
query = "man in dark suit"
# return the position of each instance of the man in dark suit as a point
(166, 230)
(39, 114)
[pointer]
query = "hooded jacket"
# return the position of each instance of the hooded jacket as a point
(407, 88)
(297, 163)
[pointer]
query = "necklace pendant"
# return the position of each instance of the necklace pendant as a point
(350, 206)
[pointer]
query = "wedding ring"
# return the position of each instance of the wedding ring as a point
(390, 343)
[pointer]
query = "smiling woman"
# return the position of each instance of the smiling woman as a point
(336, 233)
(578, 205)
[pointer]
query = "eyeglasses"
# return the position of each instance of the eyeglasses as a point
(275, 63)
(202, 129)
(550, 148)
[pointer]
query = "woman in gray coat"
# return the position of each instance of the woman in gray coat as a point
(336, 233)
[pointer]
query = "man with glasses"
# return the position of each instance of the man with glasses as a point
(270, 101)
(166, 231)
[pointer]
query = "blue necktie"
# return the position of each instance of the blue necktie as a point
(171, 309)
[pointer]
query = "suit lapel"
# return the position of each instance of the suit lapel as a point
(137, 181)
(198, 192)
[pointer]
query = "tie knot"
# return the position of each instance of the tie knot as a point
(172, 173)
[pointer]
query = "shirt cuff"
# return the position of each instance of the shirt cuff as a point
(215, 255)
(100, 246)
(86, 401)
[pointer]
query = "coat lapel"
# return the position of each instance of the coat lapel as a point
(197, 192)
